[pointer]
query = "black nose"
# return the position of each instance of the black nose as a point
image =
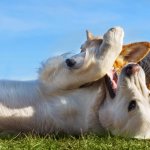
(70, 62)
(132, 69)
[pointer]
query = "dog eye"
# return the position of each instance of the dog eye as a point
(132, 105)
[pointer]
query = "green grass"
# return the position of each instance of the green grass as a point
(86, 142)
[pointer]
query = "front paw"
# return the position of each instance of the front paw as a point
(114, 36)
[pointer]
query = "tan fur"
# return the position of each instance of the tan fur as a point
(133, 52)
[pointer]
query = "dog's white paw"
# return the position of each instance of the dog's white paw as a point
(114, 35)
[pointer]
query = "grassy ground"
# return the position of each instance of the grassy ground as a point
(86, 142)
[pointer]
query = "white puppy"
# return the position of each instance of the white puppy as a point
(60, 99)
(128, 114)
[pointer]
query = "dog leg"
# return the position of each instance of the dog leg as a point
(98, 61)
(110, 49)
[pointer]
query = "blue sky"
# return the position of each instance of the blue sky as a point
(33, 30)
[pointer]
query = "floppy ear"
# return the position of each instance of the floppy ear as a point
(133, 52)
(89, 35)
(136, 51)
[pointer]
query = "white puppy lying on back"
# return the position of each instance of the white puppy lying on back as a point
(128, 114)
(55, 102)
(80, 94)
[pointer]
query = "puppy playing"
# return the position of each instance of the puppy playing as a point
(126, 107)
(138, 52)
(128, 113)
(55, 102)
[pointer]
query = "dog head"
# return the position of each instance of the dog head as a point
(66, 73)
(135, 52)
(128, 113)
(57, 73)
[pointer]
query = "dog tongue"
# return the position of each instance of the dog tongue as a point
(111, 79)
(114, 78)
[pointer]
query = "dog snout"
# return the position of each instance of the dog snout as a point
(70, 62)
(132, 69)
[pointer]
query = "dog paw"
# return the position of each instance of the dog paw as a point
(114, 35)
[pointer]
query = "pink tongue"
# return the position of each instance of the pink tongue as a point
(113, 77)
(114, 85)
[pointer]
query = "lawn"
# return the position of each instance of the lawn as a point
(86, 142)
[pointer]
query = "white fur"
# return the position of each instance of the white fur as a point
(55, 102)
(120, 121)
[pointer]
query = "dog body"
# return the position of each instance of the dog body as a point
(23, 107)
(55, 102)
(79, 94)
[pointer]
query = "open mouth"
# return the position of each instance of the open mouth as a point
(111, 80)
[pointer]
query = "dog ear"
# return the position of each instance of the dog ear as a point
(136, 51)
(89, 35)
(133, 52)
